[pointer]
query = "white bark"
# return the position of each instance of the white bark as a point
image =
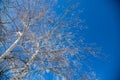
(7, 52)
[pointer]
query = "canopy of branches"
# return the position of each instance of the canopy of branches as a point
(40, 39)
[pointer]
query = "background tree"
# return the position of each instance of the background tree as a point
(43, 40)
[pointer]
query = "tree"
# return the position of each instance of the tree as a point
(41, 40)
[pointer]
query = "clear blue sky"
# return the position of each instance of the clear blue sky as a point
(102, 19)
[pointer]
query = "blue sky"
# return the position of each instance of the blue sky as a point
(102, 19)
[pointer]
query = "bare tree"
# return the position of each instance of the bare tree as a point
(41, 40)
